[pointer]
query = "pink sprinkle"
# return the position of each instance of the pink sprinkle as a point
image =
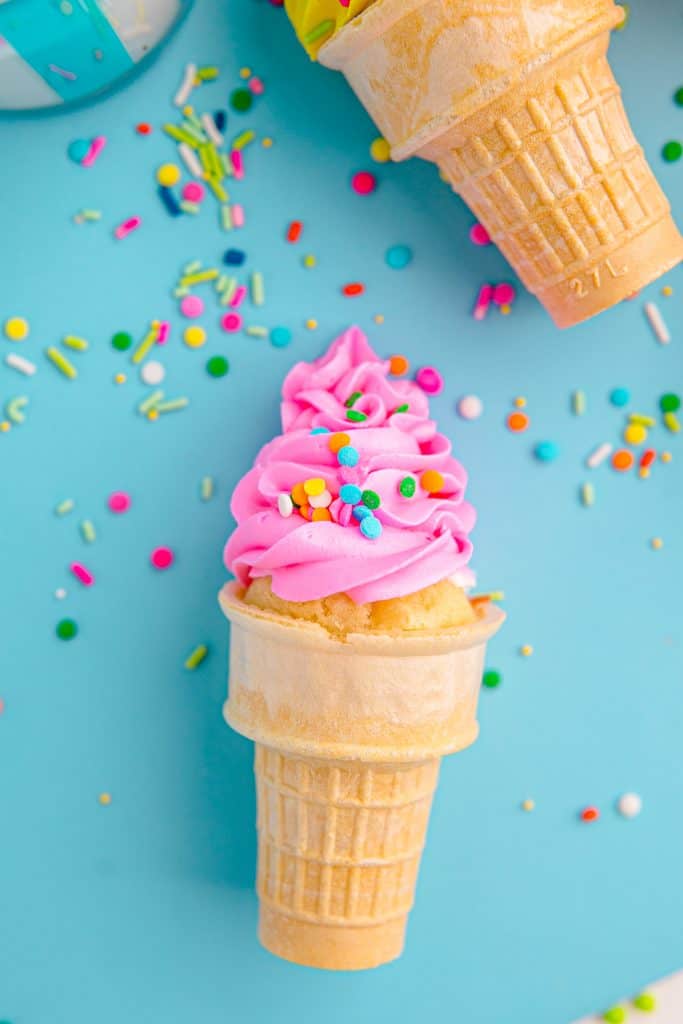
(119, 502)
(430, 380)
(96, 147)
(481, 306)
(62, 72)
(479, 235)
(237, 214)
(504, 294)
(128, 225)
(162, 558)
(363, 183)
(237, 163)
(256, 86)
(82, 574)
(2, 705)
(192, 306)
(162, 336)
(349, 474)
(345, 514)
(194, 192)
(239, 297)
(231, 322)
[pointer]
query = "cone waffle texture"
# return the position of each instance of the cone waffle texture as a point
(517, 104)
(349, 734)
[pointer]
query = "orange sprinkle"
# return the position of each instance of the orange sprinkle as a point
(294, 231)
(338, 441)
(517, 422)
(321, 515)
(432, 481)
(299, 496)
(622, 460)
(306, 511)
(398, 365)
(355, 288)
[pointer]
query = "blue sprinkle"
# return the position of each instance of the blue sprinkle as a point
(234, 257)
(77, 150)
(280, 336)
(398, 256)
(169, 200)
(362, 512)
(347, 456)
(350, 494)
(220, 118)
(320, 430)
(620, 397)
(546, 451)
(371, 527)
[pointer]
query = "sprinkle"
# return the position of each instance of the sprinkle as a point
(599, 454)
(77, 344)
(257, 332)
(430, 380)
(192, 306)
(321, 515)
(258, 295)
(629, 805)
(518, 422)
(121, 341)
(299, 496)
(643, 421)
(104, 799)
(311, 324)
(211, 129)
(217, 366)
(656, 543)
(635, 434)
(182, 135)
(432, 481)
(407, 487)
(64, 507)
(355, 416)
(127, 227)
(96, 147)
(237, 214)
(188, 207)
(120, 378)
(169, 200)
(371, 527)
(162, 558)
(503, 294)
(353, 289)
(256, 86)
(186, 86)
(347, 456)
(371, 499)
(492, 678)
(206, 488)
(14, 409)
(60, 593)
(361, 512)
(338, 441)
(350, 494)
(119, 502)
(470, 407)
(150, 402)
(656, 320)
(66, 629)
(306, 511)
(280, 336)
(199, 277)
(671, 422)
(671, 151)
(528, 805)
(398, 257)
(380, 150)
(647, 458)
(320, 430)
(241, 100)
(615, 1015)
(364, 183)
(152, 373)
(196, 657)
(145, 345)
(231, 322)
(88, 531)
(62, 72)
(234, 257)
(242, 140)
(666, 457)
(237, 164)
(173, 405)
(285, 505)
(82, 574)
(323, 500)
(546, 451)
(294, 230)
(238, 297)
(189, 158)
(579, 403)
(622, 460)
(143, 128)
(16, 328)
(90, 216)
(589, 814)
(61, 362)
(479, 235)
(520, 402)
(77, 150)
(313, 486)
(646, 1002)
(587, 495)
(482, 302)
(323, 29)
(670, 402)
(398, 366)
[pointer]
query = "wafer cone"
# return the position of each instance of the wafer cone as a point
(516, 103)
(349, 736)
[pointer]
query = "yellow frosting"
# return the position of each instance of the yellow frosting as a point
(316, 21)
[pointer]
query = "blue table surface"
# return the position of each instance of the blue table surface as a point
(144, 910)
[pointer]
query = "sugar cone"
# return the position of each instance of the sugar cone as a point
(516, 103)
(349, 735)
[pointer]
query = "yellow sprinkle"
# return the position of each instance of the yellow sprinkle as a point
(635, 434)
(643, 472)
(168, 175)
(16, 328)
(311, 324)
(152, 415)
(527, 650)
(310, 260)
(267, 142)
(245, 72)
(671, 422)
(120, 378)
(380, 150)
(314, 486)
(520, 402)
(104, 799)
(505, 309)
(528, 805)
(379, 318)
(656, 543)
(666, 456)
(667, 290)
(194, 337)
(5, 425)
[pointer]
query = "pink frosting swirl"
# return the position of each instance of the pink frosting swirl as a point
(424, 538)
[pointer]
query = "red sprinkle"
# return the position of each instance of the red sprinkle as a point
(294, 231)
(355, 288)
(647, 458)
(143, 128)
(590, 814)
(363, 183)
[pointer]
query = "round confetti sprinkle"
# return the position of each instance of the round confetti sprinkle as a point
(615, 1015)
(622, 460)
(656, 543)
(470, 407)
(517, 422)
(350, 494)
(162, 558)
(66, 629)
(672, 151)
(143, 128)
(528, 805)
(398, 365)
(347, 456)
(314, 486)
(355, 416)
(120, 378)
(432, 481)
(363, 183)
(520, 402)
(646, 1002)
(370, 527)
(193, 192)
(119, 502)
(194, 337)
(285, 505)
(678, 97)
(217, 366)
(309, 261)
(479, 235)
(430, 380)
(666, 456)
(104, 799)
(620, 397)
(635, 434)
(504, 294)
(670, 402)
(320, 430)
(629, 805)
(311, 324)
(168, 175)
(16, 328)
(380, 150)
(353, 289)
(299, 496)
(589, 814)
(152, 372)
(121, 341)
(361, 512)
(191, 306)
(321, 515)
(234, 257)
(526, 650)
(60, 593)
(280, 337)
(78, 150)
(241, 100)
(407, 487)
(398, 256)
(492, 678)
(546, 451)
(231, 322)
(337, 441)
(371, 499)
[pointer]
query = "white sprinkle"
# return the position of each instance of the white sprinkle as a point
(152, 373)
(187, 155)
(186, 86)
(60, 593)
(602, 452)
(630, 805)
(285, 505)
(661, 331)
(211, 129)
(24, 366)
(579, 403)
(470, 407)
(323, 500)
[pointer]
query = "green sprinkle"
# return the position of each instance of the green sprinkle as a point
(352, 399)
(323, 29)
(144, 346)
(354, 416)
(401, 408)
(371, 499)
(258, 294)
(492, 679)
(14, 409)
(217, 366)
(672, 152)
(61, 362)
(226, 162)
(91, 214)
(149, 402)
(221, 282)
(194, 132)
(670, 402)
(241, 100)
(180, 293)
(187, 207)
(181, 136)
(205, 159)
(615, 1015)
(121, 341)
(646, 1001)
(207, 74)
(671, 422)
(229, 290)
(202, 275)
(217, 189)
(643, 421)
(587, 495)
(257, 332)
(192, 267)
(173, 405)
(88, 531)
(197, 656)
(206, 488)
(78, 344)
(64, 507)
(407, 486)
(678, 97)
(66, 629)
(243, 139)
(579, 403)
(226, 218)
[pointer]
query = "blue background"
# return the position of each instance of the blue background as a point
(144, 910)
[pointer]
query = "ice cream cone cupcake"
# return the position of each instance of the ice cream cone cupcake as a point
(356, 656)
